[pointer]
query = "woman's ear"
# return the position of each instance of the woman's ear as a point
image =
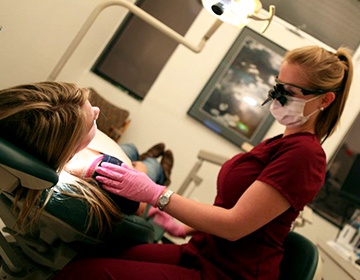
(327, 99)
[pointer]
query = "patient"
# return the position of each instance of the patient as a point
(83, 163)
(147, 162)
(53, 122)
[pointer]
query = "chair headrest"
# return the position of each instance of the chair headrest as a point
(17, 165)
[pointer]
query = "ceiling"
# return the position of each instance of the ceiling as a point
(334, 22)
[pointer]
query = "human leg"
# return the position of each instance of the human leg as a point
(114, 269)
(154, 170)
(131, 151)
(167, 163)
(155, 151)
(147, 162)
(147, 261)
(153, 252)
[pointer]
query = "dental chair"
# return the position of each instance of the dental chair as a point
(301, 259)
(113, 120)
(61, 230)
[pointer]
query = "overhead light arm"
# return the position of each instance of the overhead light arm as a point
(268, 19)
(163, 27)
(139, 13)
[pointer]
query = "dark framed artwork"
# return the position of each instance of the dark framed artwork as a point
(230, 103)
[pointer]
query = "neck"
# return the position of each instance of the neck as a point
(304, 128)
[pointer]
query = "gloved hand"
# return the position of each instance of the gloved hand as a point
(167, 222)
(130, 183)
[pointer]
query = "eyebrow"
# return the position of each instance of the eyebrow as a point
(306, 91)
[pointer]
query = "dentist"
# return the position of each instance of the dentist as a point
(259, 193)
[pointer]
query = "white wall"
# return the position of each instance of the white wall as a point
(36, 33)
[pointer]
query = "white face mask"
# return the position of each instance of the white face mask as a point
(292, 113)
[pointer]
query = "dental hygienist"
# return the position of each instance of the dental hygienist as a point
(259, 193)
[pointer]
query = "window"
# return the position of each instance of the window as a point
(137, 52)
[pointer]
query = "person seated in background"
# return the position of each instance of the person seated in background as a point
(145, 161)
(82, 164)
(56, 123)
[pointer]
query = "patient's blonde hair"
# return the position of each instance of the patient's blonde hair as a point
(47, 120)
(329, 71)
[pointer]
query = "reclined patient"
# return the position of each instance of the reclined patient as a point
(53, 122)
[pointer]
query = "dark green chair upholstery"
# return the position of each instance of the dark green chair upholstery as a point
(301, 258)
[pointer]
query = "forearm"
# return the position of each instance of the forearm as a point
(259, 205)
(189, 230)
(202, 217)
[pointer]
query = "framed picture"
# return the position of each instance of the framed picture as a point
(230, 103)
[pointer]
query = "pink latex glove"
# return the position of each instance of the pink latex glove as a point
(167, 222)
(130, 183)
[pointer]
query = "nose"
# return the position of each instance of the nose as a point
(96, 112)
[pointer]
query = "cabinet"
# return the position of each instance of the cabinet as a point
(335, 266)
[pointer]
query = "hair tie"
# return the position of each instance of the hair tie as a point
(342, 57)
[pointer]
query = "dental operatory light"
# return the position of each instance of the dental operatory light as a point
(238, 12)
(235, 12)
